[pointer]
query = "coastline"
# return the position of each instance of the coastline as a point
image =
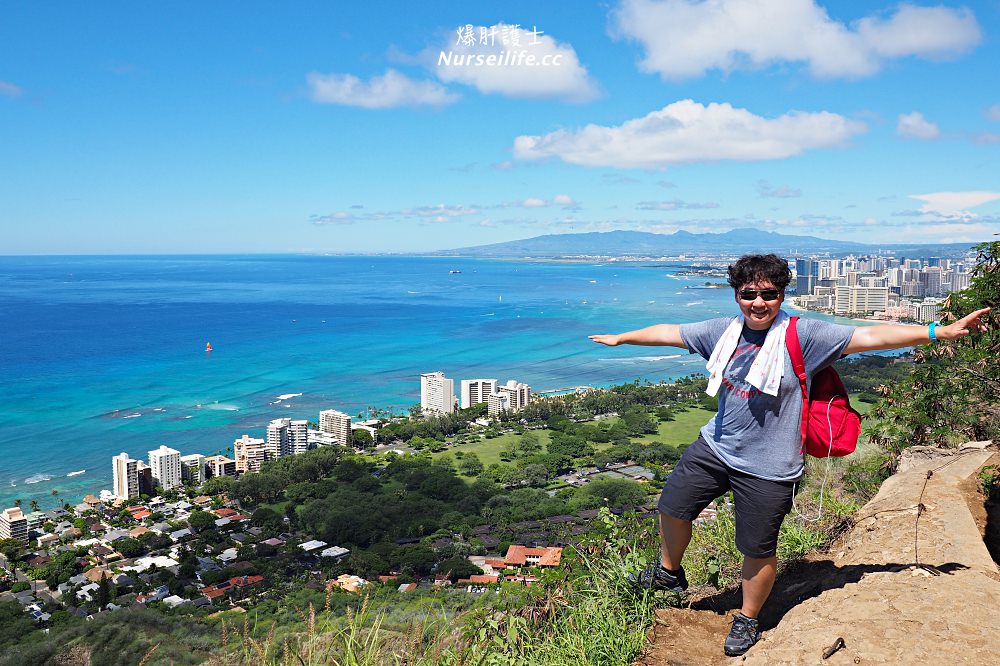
(867, 321)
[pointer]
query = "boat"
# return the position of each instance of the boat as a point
(453, 272)
(208, 346)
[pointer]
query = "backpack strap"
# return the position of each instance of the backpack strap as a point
(799, 366)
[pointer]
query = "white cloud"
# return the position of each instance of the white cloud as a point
(993, 113)
(10, 90)
(564, 200)
(986, 138)
(674, 204)
(686, 131)
(534, 202)
(915, 126)
(954, 204)
(765, 190)
(557, 71)
(392, 89)
(685, 38)
(441, 212)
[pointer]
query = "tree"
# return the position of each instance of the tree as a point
(11, 549)
(535, 474)
(530, 444)
(218, 485)
(458, 567)
(471, 465)
(201, 520)
(362, 439)
(129, 547)
(34, 505)
(266, 518)
(103, 591)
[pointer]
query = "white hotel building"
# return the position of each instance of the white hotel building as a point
(250, 453)
(193, 468)
(511, 397)
(125, 476)
(337, 424)
(437, 393)
(475, 391)
(166, 465)
(286, 437)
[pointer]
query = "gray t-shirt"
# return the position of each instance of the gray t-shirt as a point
(753, 432)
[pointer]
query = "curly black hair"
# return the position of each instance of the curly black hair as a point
(752, 268)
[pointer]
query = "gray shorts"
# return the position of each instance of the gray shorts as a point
(761, 505)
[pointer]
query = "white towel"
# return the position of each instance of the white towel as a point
(766, 370)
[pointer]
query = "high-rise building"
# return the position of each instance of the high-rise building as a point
(475, 391)
(437, 393)
(931, 279)
(220, 466)
(193, 468)
(125, 476)
(860, 300)
(279, 438)
(250, 454)
(166, 465)
(806, 275)
(13, 524)
(298, 436)
(927, 311)
(145, 475)
(510, 397)
(337, 424)
(959, 280)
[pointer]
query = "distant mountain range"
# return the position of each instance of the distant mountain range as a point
(735, 242)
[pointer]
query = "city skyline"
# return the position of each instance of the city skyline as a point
(252, 128)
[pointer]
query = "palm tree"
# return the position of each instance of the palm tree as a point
(34, 505)
(18, 502)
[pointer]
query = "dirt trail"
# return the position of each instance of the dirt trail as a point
(897, 589)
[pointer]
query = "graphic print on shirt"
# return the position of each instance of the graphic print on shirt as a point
(734, 377)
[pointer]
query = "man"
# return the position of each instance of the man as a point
(752, 446)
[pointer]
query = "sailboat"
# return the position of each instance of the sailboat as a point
(208, 346)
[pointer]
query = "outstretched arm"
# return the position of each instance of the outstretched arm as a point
(895, 336)
(667, 335)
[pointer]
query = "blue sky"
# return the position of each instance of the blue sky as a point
(334, 127)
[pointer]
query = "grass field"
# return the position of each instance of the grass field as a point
(682, 430)
(489, 450)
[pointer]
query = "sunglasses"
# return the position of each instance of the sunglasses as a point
(766, 294)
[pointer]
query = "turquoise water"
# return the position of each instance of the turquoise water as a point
(101, 355)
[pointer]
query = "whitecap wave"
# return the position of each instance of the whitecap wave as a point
(642, 359)
(38, 478)
(132, 416)
(288, 396)
(222, 407)
(695, 303)
(77, 472)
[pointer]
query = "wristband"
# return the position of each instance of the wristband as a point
(930, 331)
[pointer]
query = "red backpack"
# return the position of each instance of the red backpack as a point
(830, 426)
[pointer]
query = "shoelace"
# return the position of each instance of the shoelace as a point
(743, 627)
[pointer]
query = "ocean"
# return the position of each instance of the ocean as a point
(101, 355)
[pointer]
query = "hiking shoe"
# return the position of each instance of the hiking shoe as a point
(655, 577)
(742, 635)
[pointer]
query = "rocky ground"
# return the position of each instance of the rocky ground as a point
(911, 582)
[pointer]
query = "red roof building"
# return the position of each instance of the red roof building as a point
(238, 584)
(520, 556)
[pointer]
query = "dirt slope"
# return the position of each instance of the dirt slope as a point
(896, 588)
